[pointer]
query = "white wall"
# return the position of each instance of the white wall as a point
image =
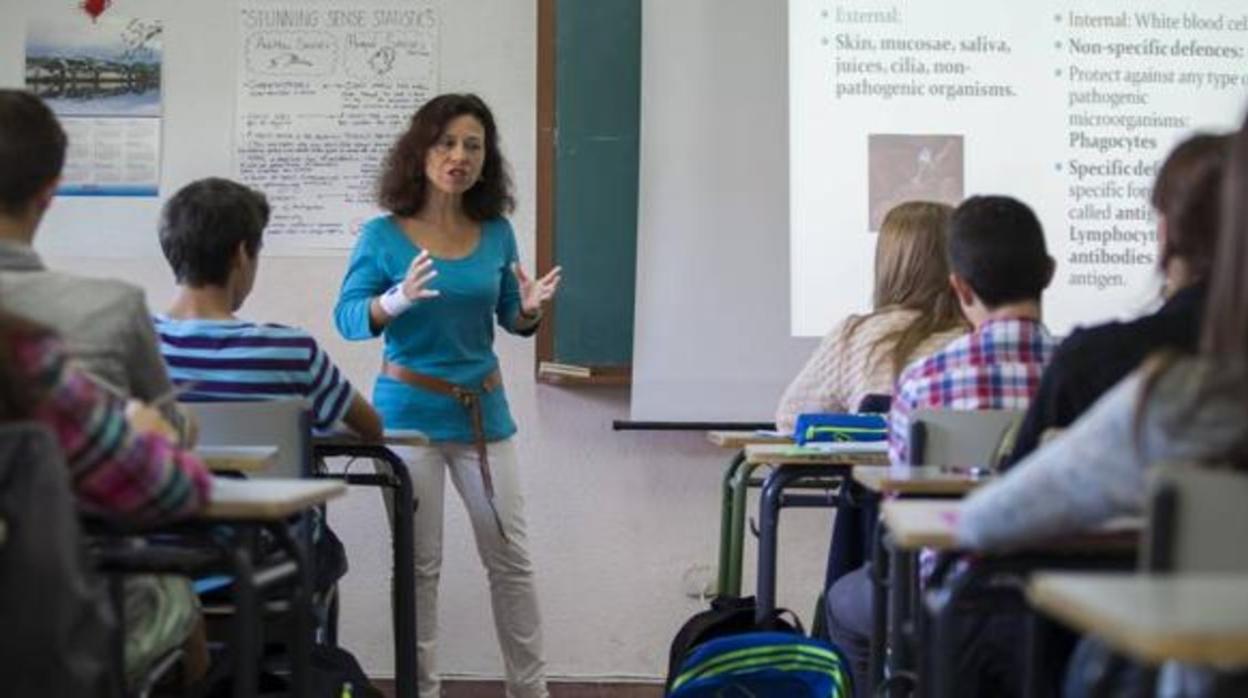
(617, 519)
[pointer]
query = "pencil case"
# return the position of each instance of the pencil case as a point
(814, 427)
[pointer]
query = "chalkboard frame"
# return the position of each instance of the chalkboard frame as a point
(608, 372)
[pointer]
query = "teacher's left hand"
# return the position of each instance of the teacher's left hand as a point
(533, 293)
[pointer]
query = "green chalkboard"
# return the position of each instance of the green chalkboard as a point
(597, 109)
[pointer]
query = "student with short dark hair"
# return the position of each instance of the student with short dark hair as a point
(1173, 409)
(999, 267)
(104, 322)
(1188, 199)
(119, 467)
(210, 232)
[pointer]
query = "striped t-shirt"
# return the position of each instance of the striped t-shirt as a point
(239, 360)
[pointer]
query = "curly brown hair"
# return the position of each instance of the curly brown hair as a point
(402, 188)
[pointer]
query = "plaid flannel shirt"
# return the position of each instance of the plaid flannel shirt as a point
(998, 366)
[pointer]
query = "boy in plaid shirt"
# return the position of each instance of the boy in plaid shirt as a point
(999, 268)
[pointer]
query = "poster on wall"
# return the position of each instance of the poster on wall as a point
(322, 92)
(102, 77)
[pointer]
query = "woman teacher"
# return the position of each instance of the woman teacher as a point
(433, 276)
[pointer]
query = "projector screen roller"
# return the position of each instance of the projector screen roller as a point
(1069, 106)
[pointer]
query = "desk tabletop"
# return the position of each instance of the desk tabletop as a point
(238, 459)
(236, 499)
(1202, 619)
(931, 523)
(850, 453)
(921, 523)
(391, 437)
(740, 439)
(935, 480)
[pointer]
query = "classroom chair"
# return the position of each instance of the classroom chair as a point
(57, 626)
(1197, 519)
(973, 438)
(284, 424)
(1196, 522)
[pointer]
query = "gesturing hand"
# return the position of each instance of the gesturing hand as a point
(419, 274)
(412, 288)
(534, 293)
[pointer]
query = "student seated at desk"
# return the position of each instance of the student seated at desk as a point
(914, 313)
(210, 233)
(1187, 197)
(1173, 409)
(999, 269)
(104, 323)
(121, 467)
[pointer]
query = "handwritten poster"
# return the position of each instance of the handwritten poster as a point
(322, 94)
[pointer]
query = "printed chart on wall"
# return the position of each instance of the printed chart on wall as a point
(1070, 106)
(102, 78)
(323, 90)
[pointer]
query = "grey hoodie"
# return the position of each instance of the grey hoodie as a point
(1096, 469)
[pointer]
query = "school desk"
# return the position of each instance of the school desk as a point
(1194, 618)
(737, 480)
(195, 547)
(390, 474)
(238, 459)
(922, 634)
(824, 467)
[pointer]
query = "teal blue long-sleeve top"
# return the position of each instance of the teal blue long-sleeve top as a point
(450, 336)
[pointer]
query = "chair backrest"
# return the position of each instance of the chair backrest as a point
(960, 437)
(284, 424)
(56, 619)
(1197, 519)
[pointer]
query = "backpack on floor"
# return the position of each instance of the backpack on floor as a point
(764, 664)
(728, 615)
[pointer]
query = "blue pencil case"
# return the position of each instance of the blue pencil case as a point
(815, 427)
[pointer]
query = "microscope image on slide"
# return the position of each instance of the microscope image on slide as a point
(906, 167)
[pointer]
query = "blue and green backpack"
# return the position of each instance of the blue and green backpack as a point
(763, 664)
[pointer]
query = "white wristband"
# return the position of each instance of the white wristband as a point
(394, 302)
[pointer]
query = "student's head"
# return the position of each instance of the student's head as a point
(451, 147)
(32, 152)
(910, 264)
(210, 234)
(997, 255)
(1188, 199)
(1225, 332)
(911, 272)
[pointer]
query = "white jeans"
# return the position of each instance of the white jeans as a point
(507, 565)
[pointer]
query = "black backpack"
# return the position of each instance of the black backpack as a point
(728, 615)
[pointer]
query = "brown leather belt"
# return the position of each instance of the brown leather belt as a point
(471, 401)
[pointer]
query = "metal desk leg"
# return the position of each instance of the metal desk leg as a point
(736, 542)
(301, 608)
(403, 585)
(726, 510)
(772, 500)
(900, 614)
(878, 573)
(400, 512)
(246, 618)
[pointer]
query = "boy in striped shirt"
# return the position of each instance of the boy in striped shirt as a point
(210, 233)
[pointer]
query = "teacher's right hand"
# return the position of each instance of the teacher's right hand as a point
(413, 287)
(419, 274)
